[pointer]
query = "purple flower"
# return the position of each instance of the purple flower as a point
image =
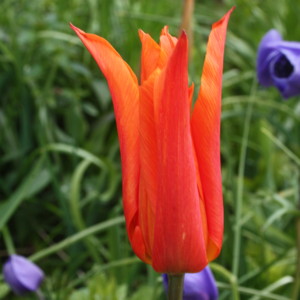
(198, 286)
(22, 275)
(278, 64)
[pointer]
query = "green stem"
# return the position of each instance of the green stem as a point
(10, 248)
(296, 287)
(297, 275)
(175, 290)
(240, 186)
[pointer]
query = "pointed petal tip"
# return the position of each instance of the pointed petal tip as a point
(230, 11)
(76, 29)
(183, 38)
(165, 30)
(73, 26)
(142, 34)
(183, 41)
(224, 18)
(183, 33)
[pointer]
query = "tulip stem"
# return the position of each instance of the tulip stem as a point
(175, 290)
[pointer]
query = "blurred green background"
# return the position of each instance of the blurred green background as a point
(60, 183)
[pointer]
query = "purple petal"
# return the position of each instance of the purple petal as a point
(267, 50)
(278, 64)
(22, 275)
(197, 286)
(285, 71)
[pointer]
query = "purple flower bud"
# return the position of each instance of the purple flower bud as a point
(198, 286)
(278, 64)
(22, 275)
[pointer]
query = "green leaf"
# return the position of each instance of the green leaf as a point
(4, 289)
(32, 184)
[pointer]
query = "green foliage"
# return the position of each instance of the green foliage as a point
(60, 185)
(100, 287)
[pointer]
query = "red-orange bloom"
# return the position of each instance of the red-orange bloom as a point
(172, 186)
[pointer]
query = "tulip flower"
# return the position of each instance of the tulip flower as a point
(278, 64)
(171, 175)
(22, 275)
(198, 286)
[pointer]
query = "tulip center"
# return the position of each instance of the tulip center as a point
(283, 68)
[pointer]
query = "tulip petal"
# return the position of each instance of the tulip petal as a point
(148, 161)
(205, 126)
(151, 55)
(179, 244)
(167, 41)
(123, 86)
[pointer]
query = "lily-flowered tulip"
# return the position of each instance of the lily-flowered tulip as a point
(198, 286)
(172, 187)
(278, 64)
(22, 275)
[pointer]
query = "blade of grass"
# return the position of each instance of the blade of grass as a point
(114, 264)
(75, 206)
(77, 237)
(279, 283)
(33, 183)
(75, 151)
(250, 291)
(240, 185)
(229, 276)
(280, 145)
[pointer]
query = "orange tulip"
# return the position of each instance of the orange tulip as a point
(172, 185)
